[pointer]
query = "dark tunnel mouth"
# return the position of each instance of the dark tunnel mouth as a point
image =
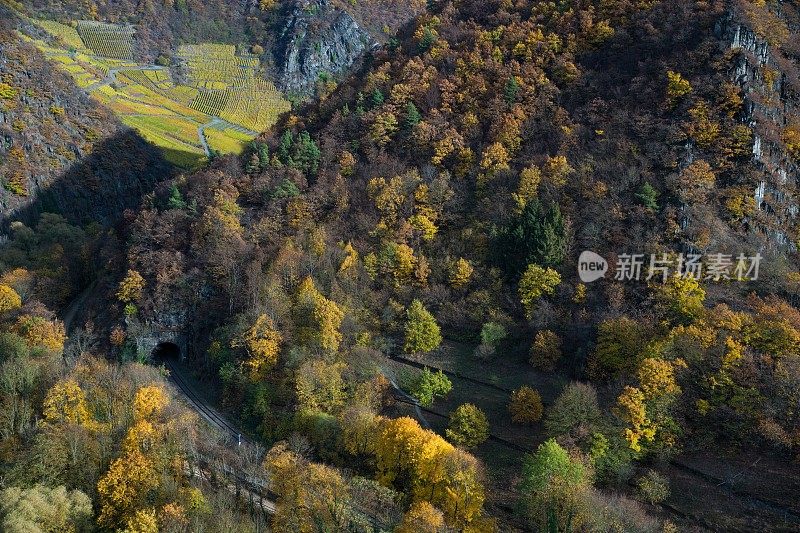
(166, 350)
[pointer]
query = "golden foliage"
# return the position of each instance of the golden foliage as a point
(677, 87)
(124, 487)
(317, 318)
(436, 471)
(66, 402)
(535, 283)
(117, 336)
(9, 299)
(545, 350)
(262, 342)
(39, 331)
(350, 260)
(657, 377)
(149, 402)
(525, 406)
(460, 273)
(495, 159)
(421, 517)
(631, 409)
(131, 287)
(528, 187)
(142, 521)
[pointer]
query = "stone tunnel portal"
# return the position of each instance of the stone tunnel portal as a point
(166, 351)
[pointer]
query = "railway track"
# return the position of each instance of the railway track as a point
(197, 403)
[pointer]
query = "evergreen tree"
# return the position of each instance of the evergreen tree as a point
(648, 196)
(511, 90)
(535, 236)
(412, 117)
(284, 146)
(263, 156)
(176, 200)
(377, 98)
(305, 154)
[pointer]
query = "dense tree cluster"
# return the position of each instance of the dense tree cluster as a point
(425, 212)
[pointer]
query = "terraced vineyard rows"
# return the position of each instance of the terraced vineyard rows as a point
(67, 34)
(221, 84)
(107, 40)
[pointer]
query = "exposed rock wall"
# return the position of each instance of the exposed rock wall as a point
(770, 105)
(317, 39)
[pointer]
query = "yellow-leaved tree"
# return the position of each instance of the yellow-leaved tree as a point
(262, 342)
(127, 486)
(39, 331)
(131, 287)
(66, 402)
(317, 319)
(9, 299)
(435, 471)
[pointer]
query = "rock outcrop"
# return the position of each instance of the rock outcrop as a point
(318, 39)
(770, 104)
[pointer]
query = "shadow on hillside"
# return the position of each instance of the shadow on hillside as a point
(115, 176)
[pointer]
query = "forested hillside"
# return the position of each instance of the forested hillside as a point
(383, 289)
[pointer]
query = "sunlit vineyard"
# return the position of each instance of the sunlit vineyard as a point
(226, 140)
(255, 106)
(107, 40)
(220, 83)
(67, 34)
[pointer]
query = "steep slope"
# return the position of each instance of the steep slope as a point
(59, 150)
(452, 184)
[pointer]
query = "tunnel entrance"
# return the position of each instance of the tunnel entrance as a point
(166, 351)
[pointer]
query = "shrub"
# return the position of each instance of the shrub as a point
(492, 333)
(653, 487)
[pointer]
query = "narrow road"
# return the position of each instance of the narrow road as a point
(201, 133)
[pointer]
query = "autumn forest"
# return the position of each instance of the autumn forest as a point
(414, 267)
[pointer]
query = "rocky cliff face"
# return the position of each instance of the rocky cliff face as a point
(769, 87)
(318, 39)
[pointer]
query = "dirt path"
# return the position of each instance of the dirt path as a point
(75, 305)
